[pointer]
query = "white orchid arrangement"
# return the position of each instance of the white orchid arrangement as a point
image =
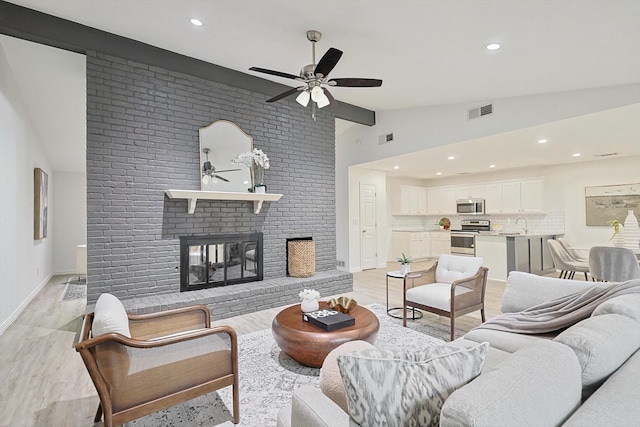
(309, 294)
(257, 162)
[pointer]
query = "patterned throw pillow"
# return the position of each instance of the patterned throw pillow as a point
(406, 388)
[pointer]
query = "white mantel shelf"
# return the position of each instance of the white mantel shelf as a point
(192, 197)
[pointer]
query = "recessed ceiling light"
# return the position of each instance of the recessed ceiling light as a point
(451, 157)
(542, 141)
(576, 154)
(438, 173)
(492, 46)
(492, 166)
(396, 167)
(196, 22)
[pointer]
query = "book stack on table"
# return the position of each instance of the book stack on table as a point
(328, 319)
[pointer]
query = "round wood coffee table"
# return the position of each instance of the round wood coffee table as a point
(309, 345)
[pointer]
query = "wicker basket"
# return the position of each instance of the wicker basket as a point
(302, 258)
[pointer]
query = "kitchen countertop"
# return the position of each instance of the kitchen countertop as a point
(495, 234)
(410, 230)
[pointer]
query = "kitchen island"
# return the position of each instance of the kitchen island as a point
(503, 253)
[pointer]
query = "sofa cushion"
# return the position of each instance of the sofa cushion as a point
(619, 395)
(505, 341)
(602, 344)
(330, 380)
(109, 315)
(538, 385)
(625, 305)
(525, 290)
(311, 408)
(406, 387)
(494, 355)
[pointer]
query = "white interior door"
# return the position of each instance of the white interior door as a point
(368, 248)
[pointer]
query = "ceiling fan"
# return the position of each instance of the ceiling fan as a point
(315, 77)
(209, 170)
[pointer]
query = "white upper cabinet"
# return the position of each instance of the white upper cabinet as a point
(470, 192)
(493, 198)
(531, 195)
(413, 201)
(441, 200)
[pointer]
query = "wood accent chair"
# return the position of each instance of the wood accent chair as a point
(564, 262)
(610, 264)
(452, 287)
(143, 363)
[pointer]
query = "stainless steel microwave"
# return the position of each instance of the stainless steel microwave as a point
(470, 206)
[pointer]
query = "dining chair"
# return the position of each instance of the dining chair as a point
(611, 264)
(565, 262)
(580, 255)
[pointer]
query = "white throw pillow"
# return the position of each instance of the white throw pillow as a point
(406, 388)
(110, 316)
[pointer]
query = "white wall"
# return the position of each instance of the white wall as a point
(25, 264)
(70, 226)
(422, 128)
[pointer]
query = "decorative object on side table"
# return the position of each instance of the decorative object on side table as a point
(309, 300)
(404, 263)
(257, 162)
(342, 304)
(631, 232)
(617, 238)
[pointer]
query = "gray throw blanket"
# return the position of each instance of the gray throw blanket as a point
(561, 312)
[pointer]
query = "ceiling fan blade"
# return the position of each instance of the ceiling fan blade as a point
(222, 178)
(355, 82)
(285, 94)
(327, 62)
(275, 73)
(228, 170)
(332, 100)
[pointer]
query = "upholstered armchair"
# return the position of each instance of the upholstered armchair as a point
(564, 262)
(143, 363)
(452, 287)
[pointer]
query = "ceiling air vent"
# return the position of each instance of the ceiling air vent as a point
(485, 110)
(606, 155)
(384, 139)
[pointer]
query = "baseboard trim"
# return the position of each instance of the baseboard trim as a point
(9, 321)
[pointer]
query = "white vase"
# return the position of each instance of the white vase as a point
(618, 239)
(404, 269)
(631, 232)
(309, 305)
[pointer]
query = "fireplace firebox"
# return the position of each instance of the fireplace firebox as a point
(219, 260)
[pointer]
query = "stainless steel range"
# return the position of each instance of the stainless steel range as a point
(463, 241)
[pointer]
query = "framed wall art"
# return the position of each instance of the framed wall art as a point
(609, 202)
(40, 203)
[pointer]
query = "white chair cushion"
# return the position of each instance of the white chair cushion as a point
(109, 315)
(452, 267)
(437, 295)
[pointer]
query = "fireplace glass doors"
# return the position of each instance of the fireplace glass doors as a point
(219, 260)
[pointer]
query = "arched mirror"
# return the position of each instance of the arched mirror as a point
(220, 143)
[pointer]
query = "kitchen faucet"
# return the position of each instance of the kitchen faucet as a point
(526, 223)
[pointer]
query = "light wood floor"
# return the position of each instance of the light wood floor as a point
(43, 381)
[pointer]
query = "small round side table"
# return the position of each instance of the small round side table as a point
(416, 314)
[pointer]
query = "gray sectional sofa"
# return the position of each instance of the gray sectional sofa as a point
(586, 375)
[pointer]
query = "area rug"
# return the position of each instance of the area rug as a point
(268, 376)
(74, 290)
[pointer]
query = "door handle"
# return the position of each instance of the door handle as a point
(364, 231)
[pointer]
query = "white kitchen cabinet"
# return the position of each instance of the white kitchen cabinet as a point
(493, 198)
(514, 197)
(441, 200)
(413, 201)
(413, 244)
(440, 243)
(470, 192)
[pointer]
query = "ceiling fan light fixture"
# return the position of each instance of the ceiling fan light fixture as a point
(303, 98)
(323, 101)
(317, 94)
